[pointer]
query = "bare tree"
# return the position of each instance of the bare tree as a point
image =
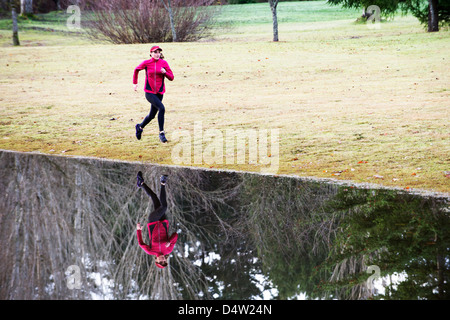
(168, 7)
(137, 21)
(273, 7)
(433, 16)
(15, 26)
(26, 7)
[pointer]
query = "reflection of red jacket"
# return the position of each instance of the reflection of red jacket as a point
(159, 235)
(154, 78)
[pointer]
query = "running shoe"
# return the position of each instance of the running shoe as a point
(138, 131)
(140, 179)
(163, 179)
(162, 137)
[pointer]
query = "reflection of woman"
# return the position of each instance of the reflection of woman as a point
(156, 70)
(158, 225)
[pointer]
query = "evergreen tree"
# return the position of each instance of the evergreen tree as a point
(429, 12)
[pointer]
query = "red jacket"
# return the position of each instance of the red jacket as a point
(159, 235)
(154, 78)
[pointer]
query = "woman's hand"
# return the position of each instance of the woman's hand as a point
(139, 226)
(167, 244)
(135, 87)
(163, 70)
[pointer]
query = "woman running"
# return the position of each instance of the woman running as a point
(161, 245)
(156, 70)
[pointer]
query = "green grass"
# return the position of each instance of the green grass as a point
(303, 11)
(353, 103)
(42, 30)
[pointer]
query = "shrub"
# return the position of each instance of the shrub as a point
(138, 21)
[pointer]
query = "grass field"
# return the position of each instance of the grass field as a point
(351, 103)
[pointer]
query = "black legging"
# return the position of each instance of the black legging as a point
(160, 204)
(156, 102)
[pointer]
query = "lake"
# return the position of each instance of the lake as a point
(68, 231)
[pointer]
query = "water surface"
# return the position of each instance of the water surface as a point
(241, 235)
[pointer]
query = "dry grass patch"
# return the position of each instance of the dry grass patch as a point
(351, 103)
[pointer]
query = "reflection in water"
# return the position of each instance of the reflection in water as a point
(160, 243)
(241, 236)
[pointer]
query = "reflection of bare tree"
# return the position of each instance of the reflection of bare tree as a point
(290, 213)
(192, 208)
(198, 204)
(233, 228)
(57, 212)
(291, 227)
(352, 267)
(60, 212)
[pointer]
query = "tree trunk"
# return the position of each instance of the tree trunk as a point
(26, 6)
(273, 7)
(168, 7)
(15, 26)
(441, 276)
(433, 19)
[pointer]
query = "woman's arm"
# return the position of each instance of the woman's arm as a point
(172, 240)
(168, 73)
(139, 236)
(141, 242)
(140, 67)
